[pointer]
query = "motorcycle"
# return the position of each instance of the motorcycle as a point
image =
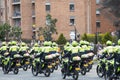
(53, 63)
(84, 64)
(5, 61)
(90, 61)
(101, 68)
(25, 61)
(71, 68)
(42, 66)
(11, 64)
(109, 69)
(57, 61)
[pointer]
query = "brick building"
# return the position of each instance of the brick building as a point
(3, 14)
(71, 14)
(103, 24)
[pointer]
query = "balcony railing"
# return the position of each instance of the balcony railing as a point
(16, 2)
(16, 15)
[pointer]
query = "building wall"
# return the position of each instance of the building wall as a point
(60, 11)
(106, 25)
(93, 16)
(2, 11)
(22, 16)
(33, 13)
(26, 19)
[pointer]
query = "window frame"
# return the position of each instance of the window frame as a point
(72, 7)
(47, 7)
(98, 25)
(72, 20)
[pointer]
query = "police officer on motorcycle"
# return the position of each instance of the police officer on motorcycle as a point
(23, 49)
(3, 49)
(14, 49)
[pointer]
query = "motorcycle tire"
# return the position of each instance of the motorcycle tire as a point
(83, 71)
(15, 70)
(56, 67)
(5, 69)
(52, 70)
(63, 74)
(75, 75)
(47, 72)
(99, 71)
(34, 70)
(25, 68)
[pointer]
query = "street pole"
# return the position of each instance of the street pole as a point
(96, 40)
(75, 33)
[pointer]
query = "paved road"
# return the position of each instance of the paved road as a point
(55, 76)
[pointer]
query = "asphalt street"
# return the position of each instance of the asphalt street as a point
(27, 75)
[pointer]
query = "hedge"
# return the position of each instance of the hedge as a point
(102, 38)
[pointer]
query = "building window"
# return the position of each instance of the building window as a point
(17, 22)
(72, 20)
(47, 5)
(97, 12)
(97, 1)
(72, 7)
(98, 23)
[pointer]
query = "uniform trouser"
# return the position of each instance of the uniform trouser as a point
(65, 51)
(117, 63)
(67, 65)
(116, 69)
(43, 56)
(73, 55)
(110, 69)
(2, 52)
(22, 52)
(13, 53)
(117, 66)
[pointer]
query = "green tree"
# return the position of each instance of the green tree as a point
(61, 40)
(4, 31)
(111, 10)
(16, 32)
(113, 6)
(7, 31)
(49, 29)
(107, 37)
(1, 32)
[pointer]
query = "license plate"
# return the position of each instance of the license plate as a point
(18, 64)
(90, 62)
(49, 66)
(85, 65)
(53, 64)
(26, 62)
(57, 61)
(77, 69)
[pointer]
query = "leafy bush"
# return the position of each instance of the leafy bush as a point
(85, 37)
(107, 37)
(102, 38)
(61, 40)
